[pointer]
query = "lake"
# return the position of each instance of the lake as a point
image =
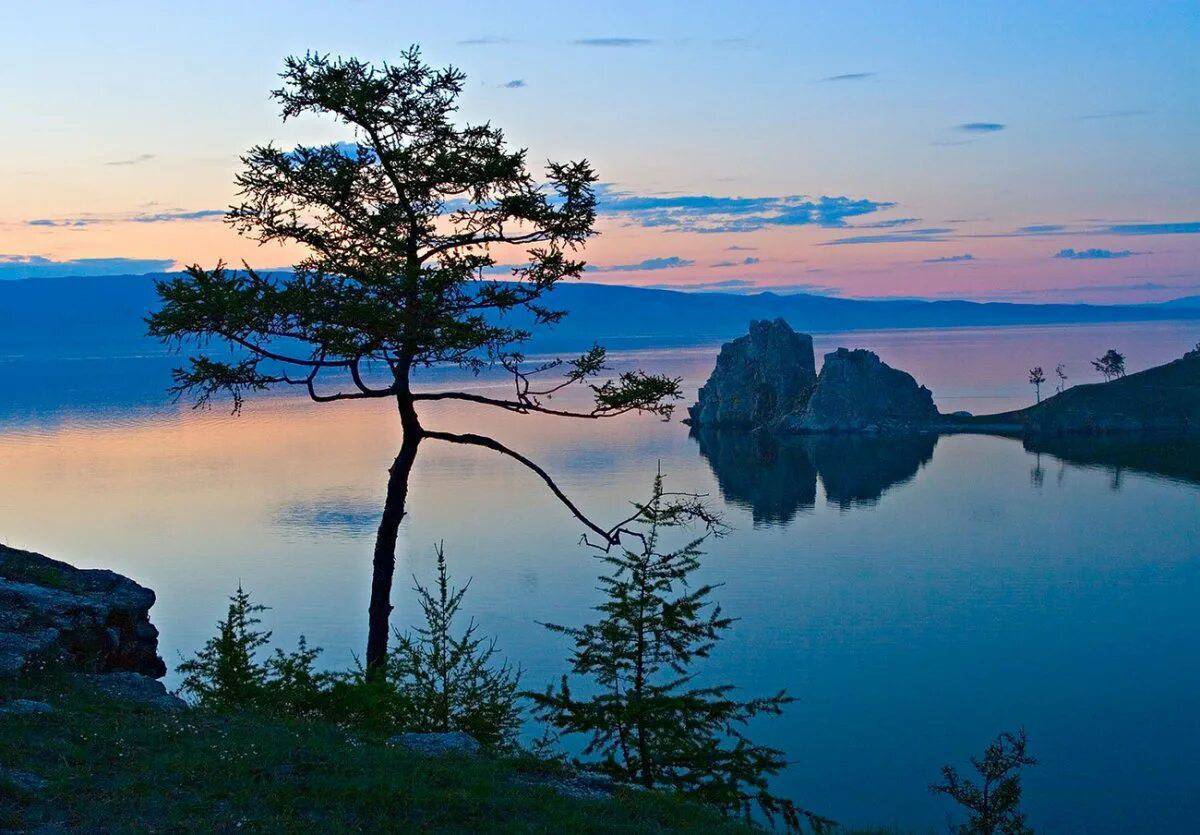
(917, 595)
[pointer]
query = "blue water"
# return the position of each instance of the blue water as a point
(917, 596)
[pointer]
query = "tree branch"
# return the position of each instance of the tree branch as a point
(520, 407)
(470, 439)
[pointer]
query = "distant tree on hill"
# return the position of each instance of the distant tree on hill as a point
(993, 805)
(1036, 378)
(401, 226)
(1060, 371)
(1111, 365)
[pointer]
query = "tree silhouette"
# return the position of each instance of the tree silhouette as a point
(1111, 365)
(993, 804)
(1036, 378)
(1060, 371)
(400, 226)
(645, 717)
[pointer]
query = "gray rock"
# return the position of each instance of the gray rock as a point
(136, 690)
(25, 707)
(87, 620)
(857, 392)
(438, 744)
(582, 785)
(22, 781)
(758, 377)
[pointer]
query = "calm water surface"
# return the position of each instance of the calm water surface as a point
(917, 596)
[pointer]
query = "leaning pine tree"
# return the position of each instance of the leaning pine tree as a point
(400, 225)
(647, 720)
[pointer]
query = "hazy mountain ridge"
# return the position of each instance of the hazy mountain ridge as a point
(102, 316)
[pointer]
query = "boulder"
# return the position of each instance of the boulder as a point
(86, 620)
(25, 707)
(136, 690)
(758, 377)
(858, 392)
(438, 744)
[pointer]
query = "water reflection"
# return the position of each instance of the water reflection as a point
(776, 477)
(1175, 458)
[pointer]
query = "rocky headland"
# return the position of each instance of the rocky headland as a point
(766, 380)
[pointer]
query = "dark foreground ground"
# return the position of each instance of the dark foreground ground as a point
(112, 767)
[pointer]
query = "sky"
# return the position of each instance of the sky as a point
(1016, 151)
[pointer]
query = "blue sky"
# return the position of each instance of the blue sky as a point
(869, 146)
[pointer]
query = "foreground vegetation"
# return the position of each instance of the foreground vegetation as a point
(112, 767)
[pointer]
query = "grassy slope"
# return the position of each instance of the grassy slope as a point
(113, 769)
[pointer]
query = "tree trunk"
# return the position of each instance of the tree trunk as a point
(384, 565)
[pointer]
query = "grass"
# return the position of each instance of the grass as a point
(112, 768)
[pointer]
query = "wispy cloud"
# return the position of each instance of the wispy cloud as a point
(1092, 254)
(36, 266)
(745, 262)
(744, 286)
(669, 263)
(485, 40)
(618, 42)
(515, 84)
(140, 158)
(736, 248)
(849, 76)
(950, 259)
(981, 127)
(887, 224)
(911, 236)
(152, 217)
(1041, 229)
(708, 214)
(1190, 228)
(1115, 114)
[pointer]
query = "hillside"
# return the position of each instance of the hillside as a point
(1163, 398)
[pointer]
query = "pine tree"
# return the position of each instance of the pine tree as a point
(225, 673)
(993, 804)
(454, 683)
(649, 722)
(400, 225)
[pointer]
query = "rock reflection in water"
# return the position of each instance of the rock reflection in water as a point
(776, 477)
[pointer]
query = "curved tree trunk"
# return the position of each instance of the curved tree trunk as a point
(384, 565)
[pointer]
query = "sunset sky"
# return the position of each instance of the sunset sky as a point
(1019, 151)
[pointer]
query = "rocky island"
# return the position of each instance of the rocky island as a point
(767, 380)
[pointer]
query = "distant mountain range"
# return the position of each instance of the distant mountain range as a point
(1187, 301)
(102, 316)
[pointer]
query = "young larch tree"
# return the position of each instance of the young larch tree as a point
(400, 226)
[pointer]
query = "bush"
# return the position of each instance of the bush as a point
(433, 681)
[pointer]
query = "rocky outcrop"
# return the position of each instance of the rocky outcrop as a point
(766, 380)
(758, 377)
(135, 690)
(91, 621)
(858, 392)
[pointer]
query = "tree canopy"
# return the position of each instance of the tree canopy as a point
(401, 227)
